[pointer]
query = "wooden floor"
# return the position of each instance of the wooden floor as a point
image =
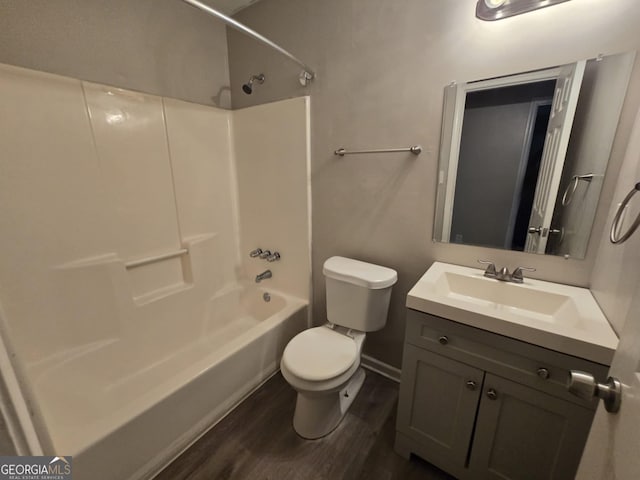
(257, 441)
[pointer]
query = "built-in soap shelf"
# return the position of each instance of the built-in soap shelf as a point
(157, 276)
(151, 278)
(140, 262)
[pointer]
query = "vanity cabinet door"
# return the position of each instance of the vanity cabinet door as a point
(437, 407)
(523, 434)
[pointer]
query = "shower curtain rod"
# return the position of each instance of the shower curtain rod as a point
(306, 75)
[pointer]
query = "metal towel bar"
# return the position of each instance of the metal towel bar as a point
(613, 235)
(157, 258)
(416, 150)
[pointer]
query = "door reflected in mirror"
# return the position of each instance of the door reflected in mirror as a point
(523, 157)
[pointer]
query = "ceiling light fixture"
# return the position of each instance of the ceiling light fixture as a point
(494, 3)
(498, 9)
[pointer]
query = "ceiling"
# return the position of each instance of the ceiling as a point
(230, 6)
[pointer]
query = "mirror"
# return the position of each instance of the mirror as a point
(523, 157)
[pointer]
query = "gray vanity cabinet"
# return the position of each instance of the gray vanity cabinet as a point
(483, 406)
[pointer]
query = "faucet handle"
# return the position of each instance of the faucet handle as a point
(517, 273)
(273, 257)
(490, 270)
(255, 253)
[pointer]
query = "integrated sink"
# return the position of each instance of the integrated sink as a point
(550, 315)
(508, 297)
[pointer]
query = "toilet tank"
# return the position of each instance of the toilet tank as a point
(358, 293)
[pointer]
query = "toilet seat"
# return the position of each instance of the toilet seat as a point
(319, 354)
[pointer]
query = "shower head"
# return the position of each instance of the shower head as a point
(248, 87)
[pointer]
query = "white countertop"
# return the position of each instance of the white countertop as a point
(560, 317)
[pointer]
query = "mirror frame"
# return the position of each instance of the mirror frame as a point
(451, 130)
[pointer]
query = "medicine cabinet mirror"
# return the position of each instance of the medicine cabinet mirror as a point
(523, 157)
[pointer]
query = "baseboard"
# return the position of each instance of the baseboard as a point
(384, 369)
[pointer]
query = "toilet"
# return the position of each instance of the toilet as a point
(323, 363)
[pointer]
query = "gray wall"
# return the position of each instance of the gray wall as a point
(164, 47)
(616, 276)
(382, 67)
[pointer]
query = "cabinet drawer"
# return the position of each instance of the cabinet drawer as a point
(540, 368)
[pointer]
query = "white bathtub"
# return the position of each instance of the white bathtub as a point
(125, 407)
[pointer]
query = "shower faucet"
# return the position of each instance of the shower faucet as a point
(248, 87)
(264, 275)
(264, 255)
(273, 257)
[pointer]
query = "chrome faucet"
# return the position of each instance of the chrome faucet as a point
(264, 275)
(503, 274)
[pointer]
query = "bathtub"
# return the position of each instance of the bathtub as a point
(124, 407)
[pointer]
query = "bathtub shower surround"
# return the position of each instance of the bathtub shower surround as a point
(127, 295)
(272, 161)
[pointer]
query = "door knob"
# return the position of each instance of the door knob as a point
(492, 394)
(471, 385)
(557, 231)
(584, 385)
(443, 340)
(537, 230)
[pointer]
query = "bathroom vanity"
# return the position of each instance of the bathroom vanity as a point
(483, 392)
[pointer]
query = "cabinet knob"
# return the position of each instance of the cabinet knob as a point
(471, 385)
(543, 373)
(492, 394)
(443, 340)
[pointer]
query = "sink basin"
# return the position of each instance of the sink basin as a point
(508, 297)
(550, 315)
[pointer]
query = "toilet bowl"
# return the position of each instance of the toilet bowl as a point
(323, 363)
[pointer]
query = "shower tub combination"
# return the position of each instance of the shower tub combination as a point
(124, 408)
(147, 327)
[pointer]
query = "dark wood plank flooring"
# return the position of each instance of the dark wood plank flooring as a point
(257, 441)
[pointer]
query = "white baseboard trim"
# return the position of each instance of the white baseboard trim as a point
(384, 369)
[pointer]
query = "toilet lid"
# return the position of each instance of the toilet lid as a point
(319, 354)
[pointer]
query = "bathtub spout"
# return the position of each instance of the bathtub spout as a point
(263, 275)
